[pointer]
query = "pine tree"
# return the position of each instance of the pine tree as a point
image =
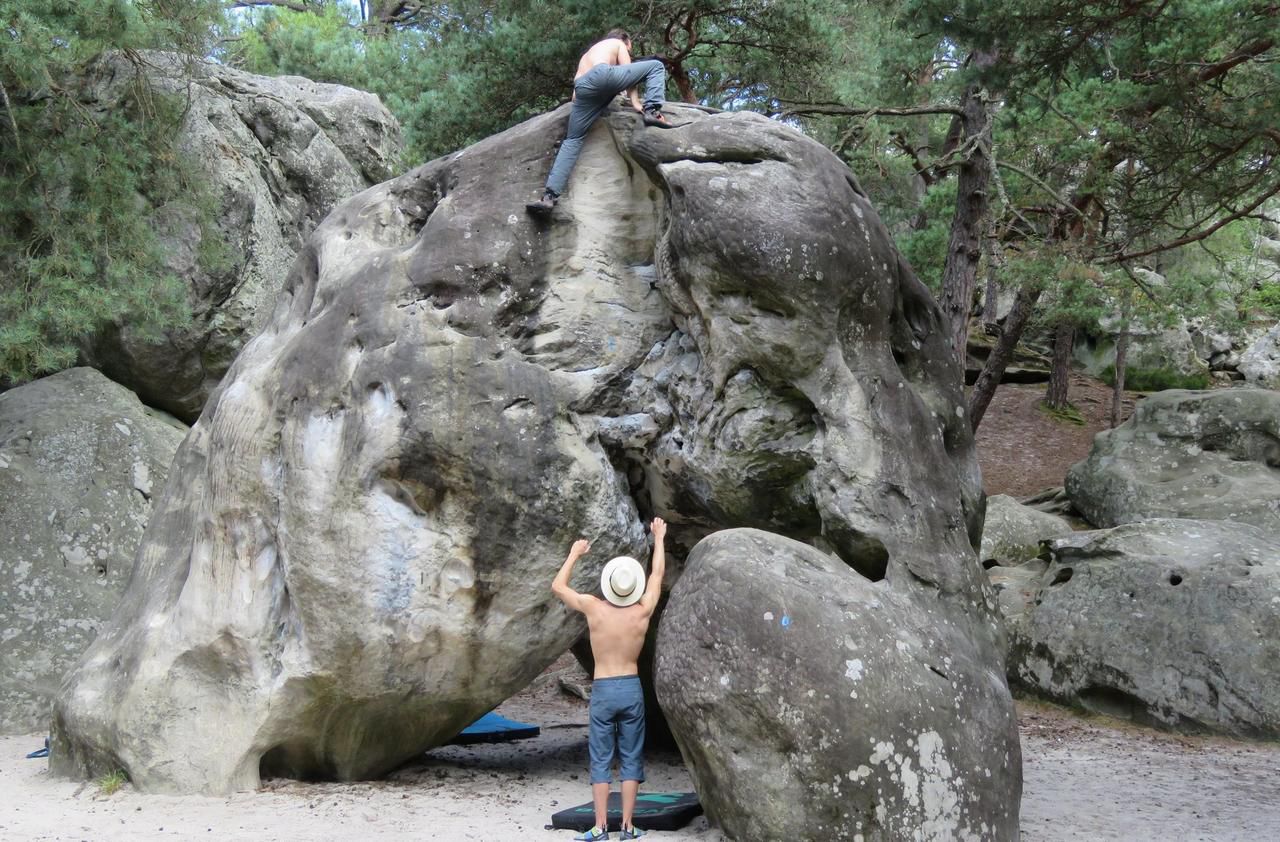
(76, 183)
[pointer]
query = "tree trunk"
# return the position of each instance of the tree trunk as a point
(1060, 377)
(1014, 324)
(684, 85)
(1117, 389)
(965, 248)
(991, 295)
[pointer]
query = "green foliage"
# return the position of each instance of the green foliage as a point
(1264, 299)
(926, 247)
(110, 783)
(1138, 379)
(467, 70)
(77, 181)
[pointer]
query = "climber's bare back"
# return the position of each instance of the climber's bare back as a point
(617, 636)
(608, 51)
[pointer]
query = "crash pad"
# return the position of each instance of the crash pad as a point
(492, 728)
(654, 811)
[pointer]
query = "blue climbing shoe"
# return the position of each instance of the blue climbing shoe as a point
(633, 833)
(595, 834)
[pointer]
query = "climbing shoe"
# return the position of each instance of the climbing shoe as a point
(633, 833)
(595, 834)
(545, 205)
(653, 116)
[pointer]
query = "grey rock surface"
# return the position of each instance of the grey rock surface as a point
(1012, 532)
(1167, 622)
(352, 557)
(1260, 362)
(1186, 454)
(822, 705)
(278, 153)
(1170, 349)
(80, 461)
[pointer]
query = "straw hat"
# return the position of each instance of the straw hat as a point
(622, 581)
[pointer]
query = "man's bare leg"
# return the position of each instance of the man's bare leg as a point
(629, 791)
(600, 797)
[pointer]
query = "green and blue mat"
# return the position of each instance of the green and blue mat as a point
(654, 811)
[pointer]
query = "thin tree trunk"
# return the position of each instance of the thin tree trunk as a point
(1060, 376)
(684, 85)
(965, 249)
(1117, 388)
(991, 294)
(1014, 324)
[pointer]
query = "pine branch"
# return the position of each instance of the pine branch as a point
(295, 5)
(13, 123)
(1199, 235)
(802, 108)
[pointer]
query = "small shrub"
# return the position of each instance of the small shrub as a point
(1154, 379)
(1265, 298)
(110, 783)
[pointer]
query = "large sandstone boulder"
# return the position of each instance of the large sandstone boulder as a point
(80, 461)
(819, 704)
(277, 154)
(1167, 622)
(1260, 362)
(1208, 455)
(353, 555)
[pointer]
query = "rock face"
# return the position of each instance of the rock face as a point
(278, 154)
(1260, 362)
(1168, 349)
(80, 459)
(1208, 455)
(1167, 622)
(1012, 532)
(822, 705)
(352, 558)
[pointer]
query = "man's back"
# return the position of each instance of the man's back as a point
(608, 51)
(617, 636)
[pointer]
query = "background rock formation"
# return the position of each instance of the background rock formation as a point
(80, 461)
(278, 154)
(1206, 455)
(821, 705)
(1012, 532)
(1165, 622)
(1260, 362)
(353, 557)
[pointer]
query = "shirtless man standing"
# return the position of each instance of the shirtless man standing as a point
(604, 71)
(617, 624)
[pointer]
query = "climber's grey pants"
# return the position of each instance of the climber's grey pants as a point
(592, 93)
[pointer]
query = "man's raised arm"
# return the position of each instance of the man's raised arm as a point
(560, 587)
(653, 590)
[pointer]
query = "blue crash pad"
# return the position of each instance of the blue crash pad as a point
(492, 728)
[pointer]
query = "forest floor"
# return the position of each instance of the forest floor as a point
(1023, 449)
(1084, 777)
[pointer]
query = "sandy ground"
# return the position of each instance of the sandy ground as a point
(1085, 779)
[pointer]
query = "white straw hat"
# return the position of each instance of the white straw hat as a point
(622, 581)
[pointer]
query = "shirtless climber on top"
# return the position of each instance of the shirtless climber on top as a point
(617, 625)
(604, 71)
